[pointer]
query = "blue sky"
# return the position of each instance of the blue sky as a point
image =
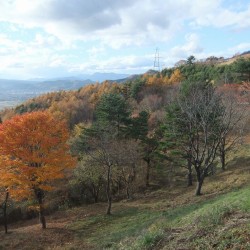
(52, 38)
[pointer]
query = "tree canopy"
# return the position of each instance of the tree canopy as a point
(36, 153)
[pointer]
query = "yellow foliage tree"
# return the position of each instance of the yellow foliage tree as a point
(156, 80)
(176, 77)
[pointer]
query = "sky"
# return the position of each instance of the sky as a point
(59, 38)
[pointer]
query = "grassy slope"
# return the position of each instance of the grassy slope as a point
(233, 59)
(170, 218)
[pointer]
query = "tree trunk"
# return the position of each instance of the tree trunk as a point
(128, 186)
(108, 191)
(133, 172)
(147, 172)
(39, 195)
(200, 180)
(222, 153)
(190, 177)
(95, 193)
(223, 160)
(119, 186)
(127, 191)
(95, 199)
(5, 211)
(198, 188)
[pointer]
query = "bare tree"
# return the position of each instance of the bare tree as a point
(89, 176)
(114, 156)
(207, 123)
(201, 124)
(127, 156)
(200, 107)
(100, 151)
(233, 124)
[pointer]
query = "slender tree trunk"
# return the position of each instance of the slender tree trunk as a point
(5, 211)
(108, 191)
(198, 188)
(128, 185)
(134, 171)
(39, 195)
(190, 179)
(95, 199)
(127, 191)
(95, 192)
(200, 180)
(128, 188)
(119, 186)
(223, 160)
(147, 172)
(190, 176)
(222, 153)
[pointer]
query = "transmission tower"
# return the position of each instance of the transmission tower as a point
(157, 60)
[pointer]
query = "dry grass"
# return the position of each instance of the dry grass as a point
(29, 235)
(233, 59)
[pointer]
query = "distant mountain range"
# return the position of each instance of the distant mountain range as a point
(96, 77)
(13, 92)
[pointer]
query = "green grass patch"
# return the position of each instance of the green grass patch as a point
(145, 228)
(209, 213)
(105, 231)
(203, 217)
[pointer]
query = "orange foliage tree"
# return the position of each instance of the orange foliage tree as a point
(156, 80)
(35, 146)
(7, 182)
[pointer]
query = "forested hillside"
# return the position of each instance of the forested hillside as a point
(80, 104)
(155, 160)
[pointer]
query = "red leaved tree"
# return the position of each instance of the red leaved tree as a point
(35, 145)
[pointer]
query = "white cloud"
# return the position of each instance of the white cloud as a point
(240, 48)
(22, 58)
(191, 47)
(64, 24)
(126, 64)
(96, 51)
(118, 23)
(44, 41)
(221, 17)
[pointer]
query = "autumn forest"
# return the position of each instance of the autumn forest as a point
(168, 135)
